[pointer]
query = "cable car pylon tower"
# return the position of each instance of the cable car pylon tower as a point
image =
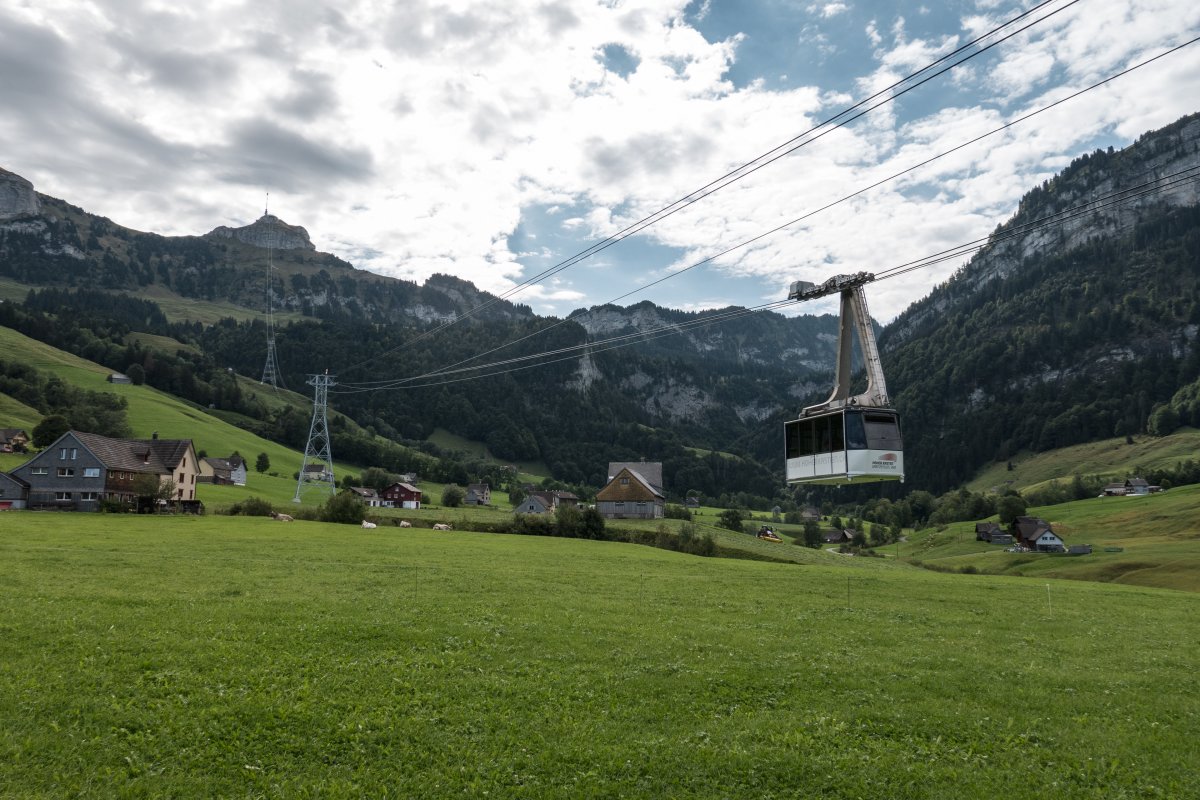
(271, 375)
(317, 451)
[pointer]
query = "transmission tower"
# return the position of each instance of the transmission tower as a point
(316, 452)
(271, 374)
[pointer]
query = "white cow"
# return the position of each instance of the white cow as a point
(441, 526)
(368, 525)
(282, 517)
(405, 523)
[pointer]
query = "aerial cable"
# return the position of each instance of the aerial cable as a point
(807, 215)
(1147, 189)
(1057, 218)
(594, 346)
(757, 163)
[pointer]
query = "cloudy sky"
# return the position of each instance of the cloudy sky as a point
(492, 139)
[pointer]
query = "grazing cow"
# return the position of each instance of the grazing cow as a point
(405, 523)
(281, 517)
(368, 525)
(441, 526)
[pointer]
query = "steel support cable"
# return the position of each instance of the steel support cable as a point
(749, 167)
(626, 340)
(596, 346)
(656, 333)
(803, 217)
(1057, 218)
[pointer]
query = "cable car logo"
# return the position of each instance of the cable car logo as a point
(888, 457)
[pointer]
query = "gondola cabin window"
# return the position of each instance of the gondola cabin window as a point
(850, 444)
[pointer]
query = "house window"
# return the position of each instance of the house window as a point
(89, 496)
(112, 476)
(66, 472)
(39, 471)
(91, 472)
(74, 453)
(624, 481)
(619, 506)
(62, 496)
(181, 480)
(62, 454)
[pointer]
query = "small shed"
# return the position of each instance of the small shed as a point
(118, 377)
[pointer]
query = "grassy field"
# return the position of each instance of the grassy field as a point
(1158, 537)
(1111, 458)
(151, 410)
(207, 657)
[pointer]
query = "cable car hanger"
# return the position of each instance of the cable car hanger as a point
(854, 319)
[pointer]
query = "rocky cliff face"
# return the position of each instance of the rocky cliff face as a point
(17, 197)
(1156, 159)
(267, 231)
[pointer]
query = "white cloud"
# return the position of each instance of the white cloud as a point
(414, 138)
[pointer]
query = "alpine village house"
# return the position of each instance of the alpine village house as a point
(80, 469)
(634, 491)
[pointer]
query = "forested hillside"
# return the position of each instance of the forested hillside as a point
(1069, 334)
(1061, 337)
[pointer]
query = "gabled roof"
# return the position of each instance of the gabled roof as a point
(1136, 482)
(650, 472)
(655, 489)
(159, 456)
(14, 479)
(364, 491)
(9, 433)
(477, 487)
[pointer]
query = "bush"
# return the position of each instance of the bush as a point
(251, 507)
(344, 508)
(731, 518)
(452, 496)
(673, 511)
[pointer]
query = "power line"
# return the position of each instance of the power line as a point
(831, 124)
(1149, 188)
(446, 370)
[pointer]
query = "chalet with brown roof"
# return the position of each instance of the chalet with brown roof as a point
(401, 495)
(634, 491)
(13, 440)
(1036, 534)
(80, 469)
(544, 501)
(223, 471)
(368, 495)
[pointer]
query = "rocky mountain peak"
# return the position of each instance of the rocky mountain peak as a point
(17, 197)
(267, 231)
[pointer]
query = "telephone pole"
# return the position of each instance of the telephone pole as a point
(316, 451)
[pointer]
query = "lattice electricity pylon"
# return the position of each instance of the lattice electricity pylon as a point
(271, 373)
(317, 467)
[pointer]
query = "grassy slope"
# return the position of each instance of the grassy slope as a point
(151, 410)
(175, 306)
(1159, 536)
(233, 657)
(530, 471)
(1109, 458)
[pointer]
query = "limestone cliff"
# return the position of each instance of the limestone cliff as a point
(17, 198)
(267, 231)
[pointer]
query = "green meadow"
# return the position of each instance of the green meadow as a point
(1153, 540)
(219, 657)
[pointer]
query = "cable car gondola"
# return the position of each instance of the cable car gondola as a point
(846, 439)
